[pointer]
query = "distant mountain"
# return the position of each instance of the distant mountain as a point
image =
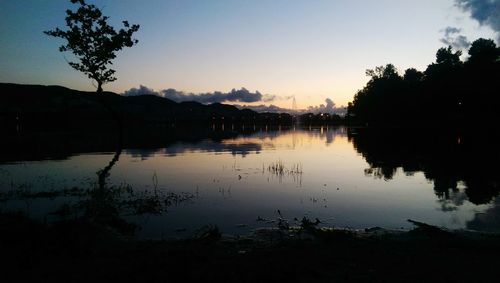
(56, 107)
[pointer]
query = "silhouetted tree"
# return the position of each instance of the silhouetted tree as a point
(483, 51)
(447, 56)
(413, 76)
(447, 62)
(376, 100)
(93, 41)
(388, 71)
(448, 92)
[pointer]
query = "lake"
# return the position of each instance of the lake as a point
(241, 179)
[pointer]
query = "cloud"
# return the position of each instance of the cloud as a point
(235, 95)
(451, 30)
(329, 107)
(241, 95)
(486, 12)
(453, 38)
(265, 108)
(269, 98)
(142, 90)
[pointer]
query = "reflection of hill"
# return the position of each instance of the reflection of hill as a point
(446, 158)
(142, 142)
(145, 142)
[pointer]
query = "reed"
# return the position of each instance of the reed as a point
(279, 168)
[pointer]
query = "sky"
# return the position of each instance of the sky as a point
(273, 50)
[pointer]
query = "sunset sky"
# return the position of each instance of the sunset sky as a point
(313, 50)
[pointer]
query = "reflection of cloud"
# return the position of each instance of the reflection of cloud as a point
(243, 144)
(216, 147)
(204, 146)
(486, 12)
(453, 38)
(487, 221)
(452, 199)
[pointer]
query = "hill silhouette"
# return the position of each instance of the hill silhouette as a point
(55, 107)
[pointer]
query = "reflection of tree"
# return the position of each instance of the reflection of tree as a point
(104, 205)
(148, 141)
(326, 132)
(104, 173)
(446, 158)
(384, 172)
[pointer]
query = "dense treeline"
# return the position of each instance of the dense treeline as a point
(449, 92)
(308, 119)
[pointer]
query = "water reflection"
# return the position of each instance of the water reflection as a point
(488, 220)
(460, 165)
(202, 146)
(354, 178)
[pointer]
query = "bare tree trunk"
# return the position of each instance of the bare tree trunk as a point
(99, 87)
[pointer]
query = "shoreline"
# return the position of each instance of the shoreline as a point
(83, 252)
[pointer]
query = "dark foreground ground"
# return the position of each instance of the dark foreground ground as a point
(81, 252)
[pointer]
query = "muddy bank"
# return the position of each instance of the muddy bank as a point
(83, 252)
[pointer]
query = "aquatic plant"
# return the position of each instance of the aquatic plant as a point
(308, 225)
(105, 206)
(208, 233)
(279, 168)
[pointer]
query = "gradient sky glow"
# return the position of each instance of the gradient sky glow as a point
(311, 49)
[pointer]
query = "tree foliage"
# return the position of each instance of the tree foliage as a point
(448, 91)
(483, 51)
(93, 41)
(447, 56)
(388, 71)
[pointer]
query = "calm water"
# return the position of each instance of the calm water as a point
(353, 178)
